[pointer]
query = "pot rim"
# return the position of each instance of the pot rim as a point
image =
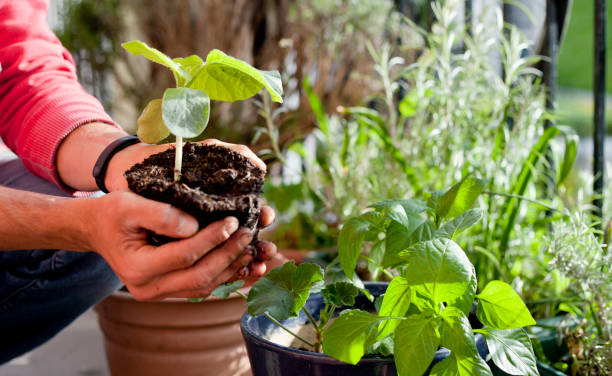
(126, 295)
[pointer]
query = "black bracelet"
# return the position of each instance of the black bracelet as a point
(99, 170)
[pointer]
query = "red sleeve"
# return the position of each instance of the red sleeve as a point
(41, 101)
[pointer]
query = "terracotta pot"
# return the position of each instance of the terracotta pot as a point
(173, 337)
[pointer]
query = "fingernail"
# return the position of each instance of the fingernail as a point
(244, 271)
(230, 226)
(250, 250)
(187, 226)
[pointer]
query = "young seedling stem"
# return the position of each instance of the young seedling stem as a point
(178, 160)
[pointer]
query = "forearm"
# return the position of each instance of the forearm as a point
(34, 221)
(79, 151)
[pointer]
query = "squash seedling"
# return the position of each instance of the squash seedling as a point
(184, 110)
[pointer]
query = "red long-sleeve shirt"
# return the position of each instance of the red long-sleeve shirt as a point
(41, 101)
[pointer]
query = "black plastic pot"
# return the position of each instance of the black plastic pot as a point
(270, 359)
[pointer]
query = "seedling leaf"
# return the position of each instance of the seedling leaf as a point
(138, 48)
(151, 127)
(185, 111)
(225, 78)
(459, 223)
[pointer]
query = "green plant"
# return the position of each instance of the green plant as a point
(184, 110)
(579, 252)
(426, 304)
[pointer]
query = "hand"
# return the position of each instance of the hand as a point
(193, 266)
(128, 157)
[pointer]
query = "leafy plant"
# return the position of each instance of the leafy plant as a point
(580, 254)
(184, 110)
(427, 302)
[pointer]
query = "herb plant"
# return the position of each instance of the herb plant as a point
(184, 110)
(427, 302)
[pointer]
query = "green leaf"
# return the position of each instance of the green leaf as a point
(511, 351)
(396, 302)
(189, 64)
(340, 294)
(284, 290)
(465, 301)
(185, 111)
(351, 239)
(399, 238)
(416, 342)
(459, 223)
(569, 156)
(383, 347)
(456, 333)
(347, 338)
(500, 307)
(317, 107)
(151, 127)
(138, 48)
(223, 291)
(455, 365)
(439, 269)
(377, 255)
(409, 104)
(225, 78)
(460, 197)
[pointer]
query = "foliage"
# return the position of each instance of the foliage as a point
(578, 255)
(185, 109)
(425, 305)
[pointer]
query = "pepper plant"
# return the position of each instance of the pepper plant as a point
(426, 305)
(184, 110)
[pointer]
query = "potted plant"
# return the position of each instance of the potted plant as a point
(207, 181)
(421, 317)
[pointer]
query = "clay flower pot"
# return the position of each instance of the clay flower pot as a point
(173, 337)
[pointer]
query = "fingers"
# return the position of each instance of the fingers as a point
(161, 218)
(265, 250)
(241, 149)
(237, 270)
(266, 216)
(202, 274)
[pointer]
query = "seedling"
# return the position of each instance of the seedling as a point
(427, 302)
(184, 111)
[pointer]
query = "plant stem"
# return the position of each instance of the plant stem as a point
(385, 272)
(312, 320)
(267, 114)
(178, 158)
(522, 198)
(288, 330)
(278, 323)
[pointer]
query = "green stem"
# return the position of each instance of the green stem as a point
(288, 330)
(385, 272)
(267, 114)
(312, 320)
(508, 195)
(178, 159)
(280, 325)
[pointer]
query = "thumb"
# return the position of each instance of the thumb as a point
(161, 218)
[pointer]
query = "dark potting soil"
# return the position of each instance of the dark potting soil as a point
(216, 182)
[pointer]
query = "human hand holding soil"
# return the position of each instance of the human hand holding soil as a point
(191, 266)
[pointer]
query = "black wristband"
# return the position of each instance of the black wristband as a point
(99, 170)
